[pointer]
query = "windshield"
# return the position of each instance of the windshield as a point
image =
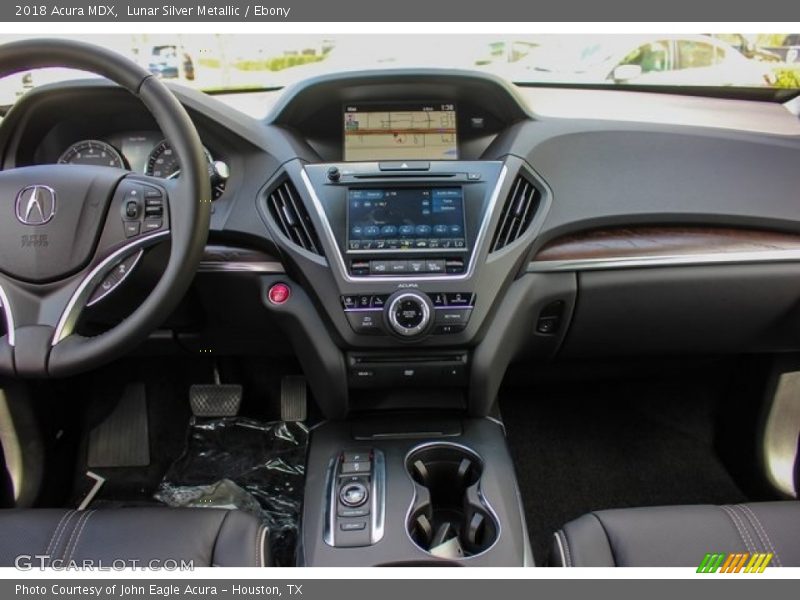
(241, 62)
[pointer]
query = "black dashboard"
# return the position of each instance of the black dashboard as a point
(461, 231)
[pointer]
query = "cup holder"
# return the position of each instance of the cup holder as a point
(449, 517)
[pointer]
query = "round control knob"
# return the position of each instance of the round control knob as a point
(353, 494)
(334, 174)
(409, 314)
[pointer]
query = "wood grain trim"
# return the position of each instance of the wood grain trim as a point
(649, 242)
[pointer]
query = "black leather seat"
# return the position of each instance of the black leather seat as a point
(679, 536)
(207, 537)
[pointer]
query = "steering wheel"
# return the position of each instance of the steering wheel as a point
(68, 231)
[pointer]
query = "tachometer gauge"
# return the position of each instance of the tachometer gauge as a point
(92, 152)
(163, 162)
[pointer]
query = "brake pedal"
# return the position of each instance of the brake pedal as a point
(293, 398)
(215, 400)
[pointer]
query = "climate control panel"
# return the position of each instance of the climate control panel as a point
(409, 314)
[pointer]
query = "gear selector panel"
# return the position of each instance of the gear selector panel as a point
(356, 498)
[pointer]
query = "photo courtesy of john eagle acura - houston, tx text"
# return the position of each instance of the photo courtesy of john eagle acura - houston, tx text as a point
(355, 300)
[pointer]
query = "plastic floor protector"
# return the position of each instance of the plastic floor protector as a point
(257, 467)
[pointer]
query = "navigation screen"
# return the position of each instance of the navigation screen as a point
(404, 219)
(400, 132)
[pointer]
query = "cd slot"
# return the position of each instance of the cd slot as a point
(409, 358)
(415, 370)
(409, 175)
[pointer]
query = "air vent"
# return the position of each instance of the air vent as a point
(517, 214)
(290, 214)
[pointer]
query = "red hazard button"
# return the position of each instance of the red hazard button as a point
(279, 293)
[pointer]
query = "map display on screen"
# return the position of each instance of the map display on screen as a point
(400, 132)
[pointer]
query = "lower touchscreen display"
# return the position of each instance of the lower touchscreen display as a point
(405, 219)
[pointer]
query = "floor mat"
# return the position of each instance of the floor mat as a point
(583, 447)
(166, 385)
(241, 463)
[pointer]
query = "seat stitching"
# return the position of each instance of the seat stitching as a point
(64, 530)
(74, 532)
(760, 528)
(761, 537)
(55, 532)
(743, 533)
(77, 539)
(566, 547)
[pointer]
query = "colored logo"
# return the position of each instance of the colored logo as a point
(740, 562)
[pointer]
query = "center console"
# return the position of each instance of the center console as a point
(383, 492)
(404, 225)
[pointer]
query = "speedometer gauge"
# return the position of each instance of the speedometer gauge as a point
(92, 152)
(163, 162)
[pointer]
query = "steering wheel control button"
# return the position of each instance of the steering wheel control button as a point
(279, 293)
(142, 208)
(131, 229)
(409, 313)
(156, 210)
(151, 225)
(353, 494)
(117, 275)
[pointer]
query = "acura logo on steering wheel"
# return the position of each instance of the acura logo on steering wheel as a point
(36, 205)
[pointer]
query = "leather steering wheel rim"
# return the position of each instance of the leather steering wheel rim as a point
(189, 203)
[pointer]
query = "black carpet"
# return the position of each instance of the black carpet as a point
(589, 446)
